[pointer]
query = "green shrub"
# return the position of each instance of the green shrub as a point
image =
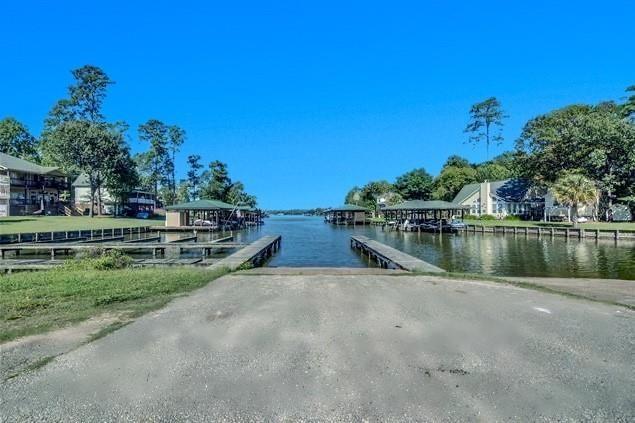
(487, 217)
(99, 259)
(512, 218)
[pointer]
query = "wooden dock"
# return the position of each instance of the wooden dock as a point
(75, 235)
(391, 258)
(255, 253)
(553, 231)
(154, 247)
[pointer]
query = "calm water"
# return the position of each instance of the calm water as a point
(308, 241)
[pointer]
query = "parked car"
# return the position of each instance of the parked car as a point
(581, 219)
(143, 215)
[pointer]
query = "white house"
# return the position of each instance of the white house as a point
(501, 198)
(515, 197)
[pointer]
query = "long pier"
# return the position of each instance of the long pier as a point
(154, 247)
(74, 235)
(391, 258)
(255, 253)
(552, 231)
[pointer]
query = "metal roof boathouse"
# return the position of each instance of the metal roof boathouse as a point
(420, 210)
(210, 213)
(348, 214)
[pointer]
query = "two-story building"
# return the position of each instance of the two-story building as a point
(137, 200)
(28, 188)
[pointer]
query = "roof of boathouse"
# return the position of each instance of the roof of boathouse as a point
(426, 205)
(201, 205)
(348, 207)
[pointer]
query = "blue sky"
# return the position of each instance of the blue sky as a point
(305, 99)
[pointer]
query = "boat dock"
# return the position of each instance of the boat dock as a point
(155, 247)
(255, 253)
(552, 231)
(75, 235)
(391, 258)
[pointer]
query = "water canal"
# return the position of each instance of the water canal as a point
(308, 241)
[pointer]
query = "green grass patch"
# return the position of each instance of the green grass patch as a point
(17, 224)
(35, 302)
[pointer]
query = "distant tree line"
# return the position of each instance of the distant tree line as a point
(79, 139)
(586, 153)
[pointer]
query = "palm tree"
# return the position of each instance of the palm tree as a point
(574, 190)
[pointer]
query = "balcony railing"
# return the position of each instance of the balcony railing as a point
(38, 184)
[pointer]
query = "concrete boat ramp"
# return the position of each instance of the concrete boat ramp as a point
(388, 346)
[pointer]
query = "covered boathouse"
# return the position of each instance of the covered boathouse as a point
(347, 214)
(420, 211)
(210, 213)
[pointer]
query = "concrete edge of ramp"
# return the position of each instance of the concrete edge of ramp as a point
(317, 271)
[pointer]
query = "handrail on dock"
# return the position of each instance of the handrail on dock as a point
(391, 258)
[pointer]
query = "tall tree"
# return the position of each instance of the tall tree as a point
(456, 161)
(176, 137)
(194, 175)
(628, 108)
(354, 196)
(415, 185)
(219, 183)
(86, 97)
(183, 192)
(76, 136)
(155, 133)
(486, 123)
(121, 176)
(594, 140)
(85, 147)
(15, 140)
(574, 190)
(451, 180)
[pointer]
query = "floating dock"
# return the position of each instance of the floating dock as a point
(391, 258)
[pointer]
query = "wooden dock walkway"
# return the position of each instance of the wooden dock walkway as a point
(154, 247)
(552, 231)
(255, 253)
(388, 257)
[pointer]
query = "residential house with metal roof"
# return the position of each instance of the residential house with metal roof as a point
(28, 188)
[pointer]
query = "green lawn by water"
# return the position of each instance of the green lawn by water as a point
(35, 302)
(16, 224)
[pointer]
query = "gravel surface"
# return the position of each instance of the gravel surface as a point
(346, 348)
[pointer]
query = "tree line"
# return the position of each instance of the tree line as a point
(584, 153)
(78, 138)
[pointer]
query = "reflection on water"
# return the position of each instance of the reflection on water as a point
(307, 241)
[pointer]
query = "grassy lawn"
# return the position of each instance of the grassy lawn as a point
(15, 224)
(521, 223)
(35, 302)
